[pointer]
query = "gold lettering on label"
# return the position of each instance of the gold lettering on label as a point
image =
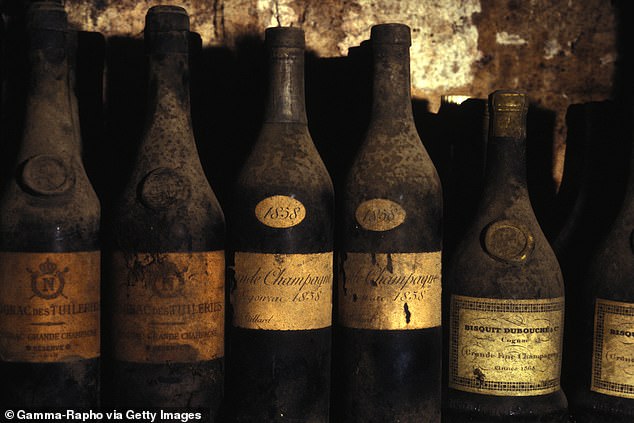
(168, 306)
(49, 306)
(505, 347)
(390, 291)
(613, 352)
(280, 211)
(380, 214)
(282, 291)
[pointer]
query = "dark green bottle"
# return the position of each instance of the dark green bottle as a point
(604, 391)
(49, 239)
(506, 293)
(166, 264)
(281, 260)
(388, 336)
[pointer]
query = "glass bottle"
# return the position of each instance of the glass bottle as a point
(281, 261)
(166, 264)
(605, 373)
(506, 293)
(389, 335)
(49, 239)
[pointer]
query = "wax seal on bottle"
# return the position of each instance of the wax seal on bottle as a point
(50, 272)
(46, 174)
(167, 265)
(508, 241)
(163, 187)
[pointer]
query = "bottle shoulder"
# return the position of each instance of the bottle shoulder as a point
(283, 157)
(283, 199)
(140, 229)
(51, 194)
(165, 194)
(393, 160)
(611, 269)
(505, 255)
(68, 222)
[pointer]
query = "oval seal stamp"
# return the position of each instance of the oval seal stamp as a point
(508, 241)
(46, 174)
(380, 214)
(162, 188)
(280, 211)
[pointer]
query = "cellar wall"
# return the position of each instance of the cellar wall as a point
(562, 52)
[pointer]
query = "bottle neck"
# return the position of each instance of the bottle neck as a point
(391, 84)
(51, 121)
(286, 86)
(505, 175)
(169, 126)
(168, 77)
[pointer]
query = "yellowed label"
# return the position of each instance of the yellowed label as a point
(168, 306)
(505, 347)
(49, 306)
(379, 214)
(282, 291)
(392, 291)
(280, 211)
(613, 355)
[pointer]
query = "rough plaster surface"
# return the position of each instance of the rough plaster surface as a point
(560, 51)
(439, 29)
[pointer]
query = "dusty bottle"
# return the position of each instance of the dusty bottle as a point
(49, 239)
(605, 383)
(281, 242)
(591, 192)
(166, 267)
(506, 293)
(388, 336)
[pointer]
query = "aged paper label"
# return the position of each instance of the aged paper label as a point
(390, 291)
(280, 211)
(613, 355)
(505, 347)
(168, 306)
(282, 291)
(379, 214)
(49, 306)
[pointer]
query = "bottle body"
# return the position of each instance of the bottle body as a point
(388, 343)
(605, 387)
(281, 259)
(49, 240)
(166, 257)
(506, 299)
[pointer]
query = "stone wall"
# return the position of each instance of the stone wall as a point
(561, 52)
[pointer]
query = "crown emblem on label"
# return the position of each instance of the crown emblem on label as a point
(48, 267)
(48, 281)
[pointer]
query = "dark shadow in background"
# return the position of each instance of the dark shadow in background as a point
(228, 96)
(598, 151)
(540, 129)
(14, 72)
(457, 146)
(228, 90)
(593, 187)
